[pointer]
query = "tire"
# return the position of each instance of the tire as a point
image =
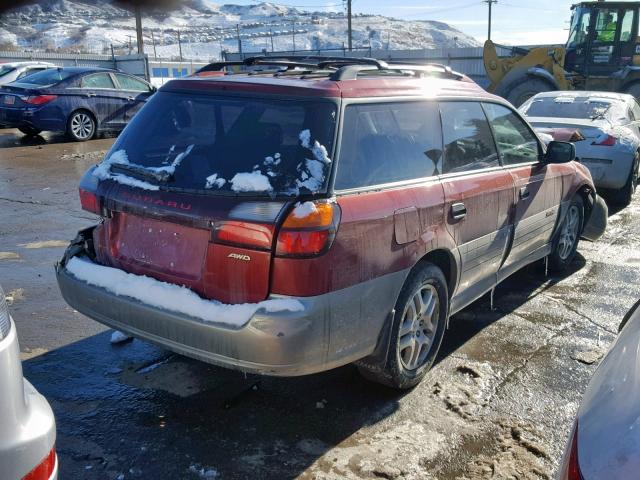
(624, 196)
(527, 88)
(415, 338)
(81, 126)
(565, 244)
(29, 131)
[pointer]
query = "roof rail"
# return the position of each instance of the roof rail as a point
(337, 68)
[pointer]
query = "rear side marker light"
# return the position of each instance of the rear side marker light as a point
(608, 141)
(39, 99)
(89, 202)
(45, 469)
(308, 230)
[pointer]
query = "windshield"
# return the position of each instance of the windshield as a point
(579, 27)
(47, 77)
(6, 69)
(569, 107)
(225, 145)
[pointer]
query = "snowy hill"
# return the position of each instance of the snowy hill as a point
(206, 28)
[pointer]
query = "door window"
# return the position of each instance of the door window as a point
(391, 142)
(579, 28)
(468, 143)
(98, 80)
(606, 25)
(130, 83)
(626, 30)
(516, 143)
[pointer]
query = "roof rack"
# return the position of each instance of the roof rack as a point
(336, 68)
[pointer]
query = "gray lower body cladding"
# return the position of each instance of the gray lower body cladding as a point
(332, 330)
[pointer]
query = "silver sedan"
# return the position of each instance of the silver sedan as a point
(605, 442)
(605, 128)
(27, 425)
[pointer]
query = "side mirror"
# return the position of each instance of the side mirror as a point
(560, 152)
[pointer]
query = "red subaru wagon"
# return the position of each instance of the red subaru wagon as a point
(318, 212)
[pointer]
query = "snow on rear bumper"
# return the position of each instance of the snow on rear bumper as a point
(284, 343)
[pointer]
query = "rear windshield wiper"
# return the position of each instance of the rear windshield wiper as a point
(142, 173)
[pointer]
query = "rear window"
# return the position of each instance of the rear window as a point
(4, 70)
(567, 107)
(227, 144)
(50, 76)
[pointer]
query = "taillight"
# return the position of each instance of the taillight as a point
(45, 469)
(89, 202)
(308, 230)
(607, 141)
(246, 234)
(572, 471)
(39, 99)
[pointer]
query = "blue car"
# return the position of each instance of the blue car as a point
(80, 101)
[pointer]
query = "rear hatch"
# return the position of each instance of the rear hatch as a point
(195, 188)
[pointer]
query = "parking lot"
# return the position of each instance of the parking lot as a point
(498, 404)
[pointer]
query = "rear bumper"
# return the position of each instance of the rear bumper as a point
(609, 173)
(332, 330)
(45, 118)
(596, 224)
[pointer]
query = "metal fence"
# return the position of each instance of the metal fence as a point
(134, 64)
(467, 60)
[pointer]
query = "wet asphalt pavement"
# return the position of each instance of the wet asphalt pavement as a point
(498, 404)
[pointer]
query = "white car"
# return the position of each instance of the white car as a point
(11, 72)
(605, 440)
(605, 128)
(27, 424)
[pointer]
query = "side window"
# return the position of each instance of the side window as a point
(516, 143)
(468, 143)
(626, 30)
(98, 80)
(390, 142)
(130, 83)
(606, 23)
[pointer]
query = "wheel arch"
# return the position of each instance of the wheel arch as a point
(84, 109)
(446, 262)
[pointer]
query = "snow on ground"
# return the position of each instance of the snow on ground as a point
(173, 297)
(207, 28)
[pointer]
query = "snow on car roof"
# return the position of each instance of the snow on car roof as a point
(585, 96)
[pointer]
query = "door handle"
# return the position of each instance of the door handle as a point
(131, 99)
(524, 193)
(458, 211)
(91, 94)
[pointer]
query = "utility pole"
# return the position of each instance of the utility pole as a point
(139, 30)
(490, 3)
(153, 40)
(179, 46)
(129, 44)
(293, 31)
(239, 39)
(349, 30)
(271, 36)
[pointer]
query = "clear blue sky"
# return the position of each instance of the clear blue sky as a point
(516, 22)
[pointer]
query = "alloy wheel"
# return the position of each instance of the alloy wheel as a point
(418, 327)
(569, 232)
(82, 126)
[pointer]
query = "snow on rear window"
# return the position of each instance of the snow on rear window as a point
(226, 144)
(173, 297)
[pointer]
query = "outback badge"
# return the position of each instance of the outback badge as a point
(239, 256)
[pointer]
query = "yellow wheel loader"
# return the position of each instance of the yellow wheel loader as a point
(602, 53)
